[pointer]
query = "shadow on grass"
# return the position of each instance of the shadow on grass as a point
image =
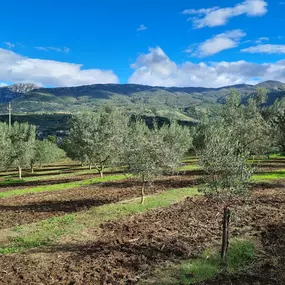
(37, 183)
(267, 185)
(169, 183)
(58, 206)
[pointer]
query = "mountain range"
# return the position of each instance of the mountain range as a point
(176, 102)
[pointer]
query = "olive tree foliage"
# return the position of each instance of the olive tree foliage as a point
(277, 123)
(5, 145)
(224, 161)
(46, 152)
(22, 137)
(246, 120)
(247, 123)
(150, 153)
(98, 138)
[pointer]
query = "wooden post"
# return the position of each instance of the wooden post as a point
(225, 241)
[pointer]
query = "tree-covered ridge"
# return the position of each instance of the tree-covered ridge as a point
(170, 102)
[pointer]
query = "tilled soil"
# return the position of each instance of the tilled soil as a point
(24, 209)
(123, 250)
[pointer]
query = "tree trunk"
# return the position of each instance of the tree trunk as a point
(90, 167)
(101, 173)
(225, 241)
(32, 168)
(20, 172)
(142, 191)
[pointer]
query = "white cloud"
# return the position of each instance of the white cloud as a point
(270, 49)
(219, 43)
(2, 84)
(9, 45)
(17, 68)
(65, 49)
(142, 28)
(156, 69)
(216, 16)
(261, 39)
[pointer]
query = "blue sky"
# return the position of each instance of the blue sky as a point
(153, 42)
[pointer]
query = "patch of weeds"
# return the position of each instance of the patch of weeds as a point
(206, 266)
(45, 233)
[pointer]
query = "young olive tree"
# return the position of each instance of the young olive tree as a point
(151, 153)
(46, 152)
(98, 138)
(228, 142)
(22, 138)
(224, 161)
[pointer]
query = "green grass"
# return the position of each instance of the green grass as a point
(278, 155)
(62, 186)
(47, 232)
(189, 167)
(206, 266)
(259, 177)
(8, 181)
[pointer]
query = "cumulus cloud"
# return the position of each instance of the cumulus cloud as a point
(2, 84)
(216, 16)
(64, 49)
(218, 43)
(270, 49)
(142, 28)
(17, 68)
(157, 69)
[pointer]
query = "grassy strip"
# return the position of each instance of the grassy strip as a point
(280, 174)
(189, 167)
(47, 232)
(11, 180)
(62, 186)
(206, 266)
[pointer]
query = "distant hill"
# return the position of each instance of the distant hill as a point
(170, 102)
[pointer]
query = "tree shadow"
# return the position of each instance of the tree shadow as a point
(39, 183)
(267, 185)
(58, 206)
(169, 183)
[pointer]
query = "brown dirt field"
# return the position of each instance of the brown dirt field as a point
(123, 250)
(27, 208)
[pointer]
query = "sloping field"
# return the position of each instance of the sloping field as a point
(98, 233)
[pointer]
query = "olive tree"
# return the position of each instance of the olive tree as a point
(277, 123)
(227, 171)
(22, 138)
(228, 142)
(247, 122)
(46, 152)
(98, 138)
(150, 153)
(5, 144)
